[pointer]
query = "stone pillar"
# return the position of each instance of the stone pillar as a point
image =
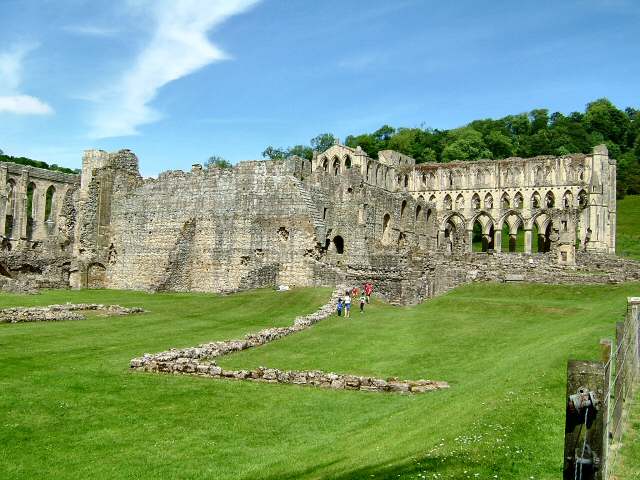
(470, 240)
(527, 241)
(39, 206)
(3, 199)
(497, 241)
(20, 222)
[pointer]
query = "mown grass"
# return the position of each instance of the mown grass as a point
(627, 465)
(70, 408)
(628, 227)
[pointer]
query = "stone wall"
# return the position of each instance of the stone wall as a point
(200, 361)
(56, 313)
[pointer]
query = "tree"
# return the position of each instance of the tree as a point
(301, 151)
(216, 161)
(274, 153)
(468, 145)
(323, 142)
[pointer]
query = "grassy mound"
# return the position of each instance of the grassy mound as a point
(70, 408)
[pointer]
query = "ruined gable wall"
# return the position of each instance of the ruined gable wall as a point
(212, 230)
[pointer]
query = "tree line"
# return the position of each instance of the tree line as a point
(523, 135)
(35, 163)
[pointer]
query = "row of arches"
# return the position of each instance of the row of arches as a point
(33, 211)
(517, 202)
(336, 165)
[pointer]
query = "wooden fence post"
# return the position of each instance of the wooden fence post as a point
(585, 377)
(605, 356)
(618, 387)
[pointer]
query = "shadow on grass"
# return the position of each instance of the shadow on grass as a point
(447, 466)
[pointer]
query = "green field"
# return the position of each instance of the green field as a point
(628, 228)
(70, 408)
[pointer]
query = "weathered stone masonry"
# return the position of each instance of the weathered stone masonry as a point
(341, 217)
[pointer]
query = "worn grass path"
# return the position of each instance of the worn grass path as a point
(70, 408)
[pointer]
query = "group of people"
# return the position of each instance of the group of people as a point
(345, 304)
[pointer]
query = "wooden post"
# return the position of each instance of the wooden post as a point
(588, 377)
(618, 387)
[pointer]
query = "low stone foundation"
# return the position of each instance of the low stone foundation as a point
(55, 313)
(200, 361)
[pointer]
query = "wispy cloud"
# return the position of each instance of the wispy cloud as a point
(11, 99)
(90, 30)
(178, 47)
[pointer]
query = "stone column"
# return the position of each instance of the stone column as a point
(3, 199)
(497, 241)
(527, 241)
(20, 222)
(39, 206)
(470, 240)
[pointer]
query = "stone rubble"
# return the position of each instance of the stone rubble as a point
(55, 313)
(200, 361)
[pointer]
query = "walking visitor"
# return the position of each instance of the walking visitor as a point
(347, 305)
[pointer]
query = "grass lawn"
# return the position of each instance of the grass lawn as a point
(70, 408)
(628, 464)
(628, 227)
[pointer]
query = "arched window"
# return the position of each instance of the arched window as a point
(418, 212)
(336, 167)
(518, 200)
(325, 165)
(505, 201)
(549, 200)
(347, 162)
(11, 207)
(402, 209)
(447, 202)
(406, 181)
(386, 220)
(339, 244)
(583, 200)
(460, 202)
(535, 200)
(432, 199)
(488, 201)
(49, 204)
(567, 199)
(475, 201)
(31, 193)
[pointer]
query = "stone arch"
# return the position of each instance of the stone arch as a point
(488, 201)
(505, 201)
(32, 192)
(583, 199)
(511, 226)
(431, 229)
(386, 227)
(421, 198)
(446, 203)
(369, 172)
(540, 225)
(418, 212)
(406, 181)
(483, 229)
(536, 201)
(347, 162)
(518, 201)
(336, 166)
(432, 199)
(475, 202)
(453, 233)
(549, 200)
(403, 208)
(50, 204)
(10, 209)
(338, 243)
(325, 164)
(567, 199)
(459, 202)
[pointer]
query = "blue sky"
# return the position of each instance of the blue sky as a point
(179, 80)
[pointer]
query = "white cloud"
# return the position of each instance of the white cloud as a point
(178, 47)
(90, 30)
(11, 99)
(24, 105)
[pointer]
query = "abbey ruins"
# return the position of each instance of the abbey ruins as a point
(342, 217)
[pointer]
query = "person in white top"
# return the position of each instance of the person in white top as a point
(347, 305)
